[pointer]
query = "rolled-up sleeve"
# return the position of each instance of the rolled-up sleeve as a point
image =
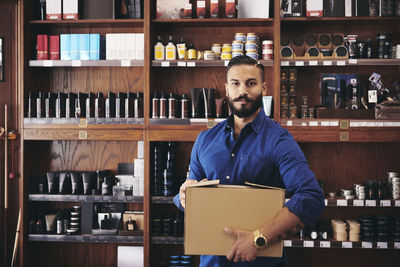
(196, 170)
(307, 201)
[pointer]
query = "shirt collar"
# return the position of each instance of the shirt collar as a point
(256, 124)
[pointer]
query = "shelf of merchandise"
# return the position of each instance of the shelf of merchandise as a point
(200, 63)
(86, 63)
(339, 62)
(85, 198)
(86, 238)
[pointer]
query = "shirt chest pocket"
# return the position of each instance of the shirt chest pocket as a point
(253, 169)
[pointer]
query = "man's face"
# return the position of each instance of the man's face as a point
(244, 89)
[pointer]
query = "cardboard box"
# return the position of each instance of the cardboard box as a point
(71, 9)
(314, 8)
(53, 9)
(210, 207)
(257, 9)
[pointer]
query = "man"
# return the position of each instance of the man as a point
(249, 146)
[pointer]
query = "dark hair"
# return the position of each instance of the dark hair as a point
(245, 60)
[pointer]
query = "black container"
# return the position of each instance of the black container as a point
(110, 105)
(31, 105)
(80, 104)
(70, 105)
(163, 106)
(129, 105)
(155, 103)
(52, 182)
(90, 106)
(120, 105)
(77, 185)
(99, 103)
(40, 106)
(138, 105)
(60, 105)
(65, 182)
(50, 105)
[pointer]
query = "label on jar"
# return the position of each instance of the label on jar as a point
(192, 54)
(159, 53)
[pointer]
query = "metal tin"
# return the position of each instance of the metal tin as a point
(227, 48)
(240, 37)
(209, 55)
(236, 53)
(226, 56)
(267, 44)
(237, 45)
(216, 48)
(251, 36)
(251, 45)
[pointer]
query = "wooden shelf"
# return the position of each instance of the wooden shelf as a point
(336, 19)
(329, 130)
(210, 22)
(296, 243)
(91, 123)
(340, 244)
(340, 62)
(86, 238)
(162, 200)
(167, 240)
(86, 63)
(200, 63)
(100, 22)
(84, 198)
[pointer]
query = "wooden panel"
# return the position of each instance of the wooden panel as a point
(41, 157)
(174, 135)
(341, 257)
(327, 135)
(86, 79)
(72, 254)
(342, 165)
(84, 134)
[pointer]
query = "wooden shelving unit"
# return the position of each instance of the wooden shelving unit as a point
(339, 156)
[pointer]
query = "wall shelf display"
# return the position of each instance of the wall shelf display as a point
(200, 63)
(86, 63)
(341, 62)
(84, 198)
(340, 151)
(87, 239)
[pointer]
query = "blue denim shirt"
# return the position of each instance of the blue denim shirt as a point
(264, 153)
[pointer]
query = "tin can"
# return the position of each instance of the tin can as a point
(227, 48)
(209, 55)
(237, 45)
(267, 44)
(216, 48)
(240, 37)
(251, 36)
(251, 45)
(226, 56)
(236, 53)
(252, 55)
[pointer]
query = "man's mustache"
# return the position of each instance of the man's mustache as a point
(241, 98)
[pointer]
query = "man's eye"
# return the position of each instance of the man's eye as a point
(235, 83)
(252, 83)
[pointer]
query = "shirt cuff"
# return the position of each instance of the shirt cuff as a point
(178, 203)
(307, 209)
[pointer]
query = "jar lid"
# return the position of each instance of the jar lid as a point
(227, 45)
(239, 33)
(251, 33)
(267, 42)
(216, 45)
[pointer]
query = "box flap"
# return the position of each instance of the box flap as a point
(264, 186)
(205, 183)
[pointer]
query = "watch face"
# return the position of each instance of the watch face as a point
(260, 241)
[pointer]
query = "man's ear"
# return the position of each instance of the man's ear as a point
(264, 88)
(226, 89)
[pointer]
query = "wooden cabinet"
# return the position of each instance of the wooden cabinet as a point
(341, 152)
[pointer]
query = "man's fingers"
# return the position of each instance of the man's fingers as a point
(232, 232)
(231, 253)
(204, 180)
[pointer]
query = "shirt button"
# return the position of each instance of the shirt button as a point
(233, 154)
(227, 177)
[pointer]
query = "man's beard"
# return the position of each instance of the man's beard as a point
(244, 112)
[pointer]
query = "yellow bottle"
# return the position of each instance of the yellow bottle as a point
(192, 53)
(170, 50)
(159, 50)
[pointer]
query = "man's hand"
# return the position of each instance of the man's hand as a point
(244, 248)
(182, 190)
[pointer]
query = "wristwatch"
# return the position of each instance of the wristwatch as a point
(260, 241)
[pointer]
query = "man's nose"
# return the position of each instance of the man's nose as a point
(242, 89)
